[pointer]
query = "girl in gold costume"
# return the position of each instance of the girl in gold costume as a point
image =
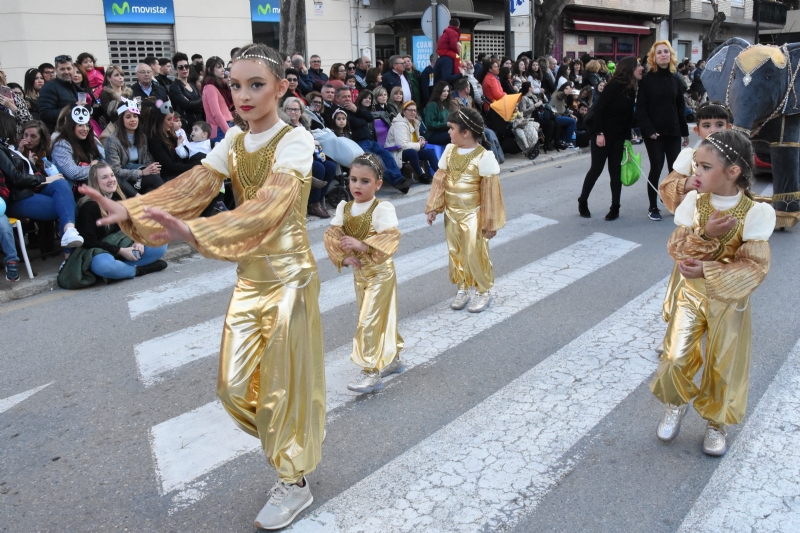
(271, 371)
(364, 235)
(721, 249)
(467, 189)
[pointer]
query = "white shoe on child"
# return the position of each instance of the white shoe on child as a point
(367, 383)
(460, 301)
(395, 367)
(285, 502)
(670, 424)
(480, 302)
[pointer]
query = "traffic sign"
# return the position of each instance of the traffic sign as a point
(442, 21)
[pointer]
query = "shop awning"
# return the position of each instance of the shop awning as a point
(611, 27)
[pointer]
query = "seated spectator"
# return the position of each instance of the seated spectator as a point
(126, 152)
(564, 117)
(436, 112)
(373, 79)
(380, 104)
(535, 77)
(200, 140)
(34, 81)
(582, 135)
(586, 95)
(593, 73)
(461, 96)
(164, 70)
(396, 100)
(77, 148)
(328, 100)
(185, 98)
(408, 145)
(34, 144)
(144, 86)
(314, 111)
(350, 81)
(81, 79)
(156, 121)
(490, 82)
(15, 104)
(48, 71)
(34, 195)
(318, 76)
(95, 76)
(114, 90)
(217, 99)
(7, 243)
(337, 75)
(340, 125)
(506, 81)
(293, 76)
(304, 82)
(363, 65)
(111, 261)
(358, 120)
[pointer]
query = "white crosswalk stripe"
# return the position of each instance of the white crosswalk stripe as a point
(191, 445)
(170, 351)
(11, 401)
(492, 465)
(757, 486)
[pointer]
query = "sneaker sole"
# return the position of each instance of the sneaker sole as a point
(369, 390)
(457, 308)
(291, 518)
(12, 280)
(398, 371)
(715, 454)
(73, 244)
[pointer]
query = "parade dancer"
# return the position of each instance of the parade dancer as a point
(721, 249)
(711, 117)
(467, 188)
(364, 235)
(271, 371)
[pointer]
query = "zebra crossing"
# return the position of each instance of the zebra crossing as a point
(502, 456)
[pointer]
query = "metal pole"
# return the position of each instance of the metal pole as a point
(757, 7)
(434, 24)
(671, 22)
(533, 29)
(509, 53)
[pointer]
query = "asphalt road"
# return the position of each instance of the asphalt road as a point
(533, 416)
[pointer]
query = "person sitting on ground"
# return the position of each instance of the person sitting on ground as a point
(95, 76)
(145, 86)
(436, 112)
(409, 145)
(34, 81)
(35, 140)
(77, 148)
(112, 261)
(127, 154)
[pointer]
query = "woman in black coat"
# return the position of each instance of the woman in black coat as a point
(186, 99)
(660, 116)
(610, 125)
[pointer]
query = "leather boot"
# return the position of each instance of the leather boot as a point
(583, 209)
(318, 211)
(613, 213)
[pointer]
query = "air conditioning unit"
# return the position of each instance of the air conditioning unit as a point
(365, 3)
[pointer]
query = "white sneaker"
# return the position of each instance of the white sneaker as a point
(285, 502)
(366, 383)
(395, 367)
(71, 239)
(480, 302)
(460, 301)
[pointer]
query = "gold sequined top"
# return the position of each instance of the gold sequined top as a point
(359, 226)
(253, 169)
(731, 241)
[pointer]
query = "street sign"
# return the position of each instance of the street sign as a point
(442, 21)
(520, 8)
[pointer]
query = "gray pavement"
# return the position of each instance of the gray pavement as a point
(543, 381)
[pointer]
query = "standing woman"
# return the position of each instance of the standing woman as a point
(660, 116)
(183, 94)
(611, 126)
(436, 112)
(576, 73)
(33, 84)
(126, 152)
(217, 99)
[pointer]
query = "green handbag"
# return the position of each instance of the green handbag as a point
(631, 165)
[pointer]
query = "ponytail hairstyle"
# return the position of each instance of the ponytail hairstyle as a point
(467, 118)
(370, 161)
(733, 148)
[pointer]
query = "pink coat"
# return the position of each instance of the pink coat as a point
(217, 113)
(95, 79)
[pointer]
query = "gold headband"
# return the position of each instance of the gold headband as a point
(474, 127)
(719, 146)
(256, 57)
(366, 159)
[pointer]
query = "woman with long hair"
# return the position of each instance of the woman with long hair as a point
(183, 93)
(396, 100)
(77, 148)
(374, 78)
(436, 112)
(81, 79)
(610, 127)
(660, 116)
(114, 90)
(506, 83)
(34, 140)
(535, 77)
(126, 152)
(156, 122)
(217, 99)
(33, 84)
(576, 73)
(518, 76)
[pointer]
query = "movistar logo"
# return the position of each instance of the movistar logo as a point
(266, 9)
(117, 10)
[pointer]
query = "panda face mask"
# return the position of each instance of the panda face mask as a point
(81, 114)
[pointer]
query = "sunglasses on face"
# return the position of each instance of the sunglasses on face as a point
(351, 68)
(182, 67)
(290, 80)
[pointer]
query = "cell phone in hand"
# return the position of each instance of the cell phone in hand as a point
(137, 254)
(7, 92)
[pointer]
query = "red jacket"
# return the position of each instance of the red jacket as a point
(492, 90)
(449, 40)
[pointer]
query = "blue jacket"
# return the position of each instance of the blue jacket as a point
(391, 80)
(443, 70)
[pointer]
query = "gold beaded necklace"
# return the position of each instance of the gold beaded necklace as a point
(458, 163)
(739, 212)
(253, 169)
(358, 226)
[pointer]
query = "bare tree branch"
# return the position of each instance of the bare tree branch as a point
(546, 13)
(710, 40)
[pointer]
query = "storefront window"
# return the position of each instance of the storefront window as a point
(626, 45)
(603, 45)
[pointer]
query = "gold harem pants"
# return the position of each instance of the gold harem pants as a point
(272, 371)
(722, 395)
(468, 248)
(376, 342)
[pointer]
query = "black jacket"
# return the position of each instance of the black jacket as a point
(612, 113)
(93, 235)
(358, 120)
(171, 163)
(163, 80)
(189, 104)
(17, 175)
(391, 79)
(660, 105)
(157, 91)
(55, 96)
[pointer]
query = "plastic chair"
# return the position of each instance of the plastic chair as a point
(381, 130)
(16, 223)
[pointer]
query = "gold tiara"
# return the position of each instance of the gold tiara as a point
(721, 146)
(367, 159)
(474, 127)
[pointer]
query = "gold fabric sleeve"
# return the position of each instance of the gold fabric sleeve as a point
(331, 239)
(383, 245)
(493, 210)
(235, 235)
(436, 196)
(731, 282)
(184, 197)
(672, 190)
(685, 244)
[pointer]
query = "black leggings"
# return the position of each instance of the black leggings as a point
(612, 151)
(657, 149)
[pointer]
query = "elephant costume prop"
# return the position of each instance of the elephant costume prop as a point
(759, 84)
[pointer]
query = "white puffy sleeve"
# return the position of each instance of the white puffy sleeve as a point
(683, 164)
(759, 223)
(684, 214)
(338, 218)
(446, 154)
(488, 165)
(384, 217)
(294, 152)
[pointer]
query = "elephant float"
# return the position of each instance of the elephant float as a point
(759, 84)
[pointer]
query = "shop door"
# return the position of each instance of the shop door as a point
(128, 45)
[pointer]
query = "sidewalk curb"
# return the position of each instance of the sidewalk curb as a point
(45, 283)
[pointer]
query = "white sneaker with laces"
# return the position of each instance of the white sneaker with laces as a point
(285, 502)
(367, 383)
(71, 238)
(395, 367)
(480, 302)
(461, 300)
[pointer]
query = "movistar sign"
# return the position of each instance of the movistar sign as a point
(265, 10)
(139, 11)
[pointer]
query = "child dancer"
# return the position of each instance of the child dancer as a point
(364, 235)
(467, 188)
(722, 254)
(271, 372)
